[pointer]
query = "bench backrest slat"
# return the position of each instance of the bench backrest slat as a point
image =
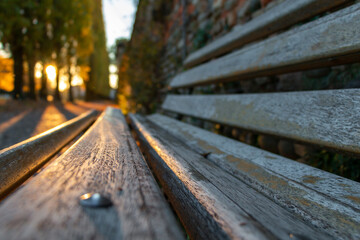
(329, 118)
(281, 16)
(323, 42)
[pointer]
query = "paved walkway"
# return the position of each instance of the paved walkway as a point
(20, 120)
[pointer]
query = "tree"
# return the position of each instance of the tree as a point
(72, 20)
(139, 71)
(35, 43)
(57, 31)
(81, 40)
(98, 84)
(23, 26)
(13, 28)
(45, 43)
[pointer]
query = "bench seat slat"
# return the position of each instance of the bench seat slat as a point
(285, 14)
(21, 160)
(319, 43)
(105, 160)
(328, 118)
(334, 203)
(202, 193)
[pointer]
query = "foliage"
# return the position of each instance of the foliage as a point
(202, 37)
(46, 31)
(336, 163)
(139, 82)
(346, 76)
(98, 84)
(6, 78)
(113, 49)
(14, 25)
(71, 21)
(71, 35)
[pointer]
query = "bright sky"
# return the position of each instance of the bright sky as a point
(119, 17)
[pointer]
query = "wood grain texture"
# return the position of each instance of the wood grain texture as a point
(21, 160)
(283, 15)
(327, 118)
(326, 200)
(107, 160)
(212, 202)
(327, 41)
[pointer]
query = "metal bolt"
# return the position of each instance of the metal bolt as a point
(94, 200)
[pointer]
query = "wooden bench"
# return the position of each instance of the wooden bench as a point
(218, 187)
(222, 188)
(105, 160)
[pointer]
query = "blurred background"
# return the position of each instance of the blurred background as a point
(57, 60)
(57, 50)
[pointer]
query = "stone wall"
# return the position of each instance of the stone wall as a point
(203, 22)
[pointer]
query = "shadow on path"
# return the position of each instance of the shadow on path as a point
(22, 129)
(22, 120)
(67, 114)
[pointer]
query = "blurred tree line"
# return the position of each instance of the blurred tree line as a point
(64, 33)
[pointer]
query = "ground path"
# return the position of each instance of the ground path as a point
(20, 120)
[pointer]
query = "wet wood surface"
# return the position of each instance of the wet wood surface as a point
(281, 16)
(21, 160)
(104, 160)
(324, 199)
(211, 202)
(328, 118)
(330, 40)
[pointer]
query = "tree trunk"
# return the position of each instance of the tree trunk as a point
(90, 93)
(71, 97)
(31, 63)
(57, 92)
(43, 90)
(18, 71)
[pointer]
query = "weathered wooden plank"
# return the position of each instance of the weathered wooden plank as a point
(327, 118)
(283, 15)
(21, 160)
(331, 40)
(326, 200)
(211, 203)
(105, 160)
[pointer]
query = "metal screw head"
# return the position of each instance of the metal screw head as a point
(94, 200)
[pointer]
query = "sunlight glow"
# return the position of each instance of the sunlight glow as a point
(63, 82)
(113, 78)
(38, 69)
(113, 82)
(112, 68)
(63, 86)
(51, 72)
(77, 81)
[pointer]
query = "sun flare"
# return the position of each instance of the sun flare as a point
(51, 72)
